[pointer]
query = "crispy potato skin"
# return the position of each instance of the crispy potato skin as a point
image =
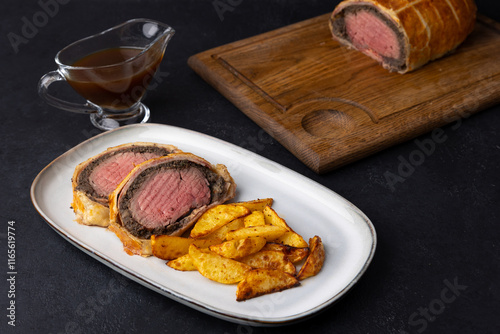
(264, 281)
(218, 268)
(315, 259)
(169, 247)
(268, 232)
(294, 254)
(256, 205)
(236, 249)
(183, 263)
(270, 259)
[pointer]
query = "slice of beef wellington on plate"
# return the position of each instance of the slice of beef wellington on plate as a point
(403, 35)
(165, 196)
(94, 179)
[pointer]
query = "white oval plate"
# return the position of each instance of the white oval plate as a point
(308, 207)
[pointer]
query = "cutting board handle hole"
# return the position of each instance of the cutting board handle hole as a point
(328, 123)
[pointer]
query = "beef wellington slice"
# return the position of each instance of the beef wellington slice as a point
(403, 35)
(165, 196)
(94, 179)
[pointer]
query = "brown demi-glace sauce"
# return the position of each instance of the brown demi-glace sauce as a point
(112, 78)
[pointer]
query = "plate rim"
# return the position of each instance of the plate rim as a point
(203, 307)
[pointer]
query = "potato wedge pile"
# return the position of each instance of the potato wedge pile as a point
(244, 243)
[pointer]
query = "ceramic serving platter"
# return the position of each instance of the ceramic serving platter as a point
(308, 207)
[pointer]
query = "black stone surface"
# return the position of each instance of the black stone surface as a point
(438, 228)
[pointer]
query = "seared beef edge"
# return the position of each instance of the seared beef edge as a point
(217, 186)
(83, 183)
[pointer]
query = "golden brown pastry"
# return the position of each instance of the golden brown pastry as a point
(403, 35)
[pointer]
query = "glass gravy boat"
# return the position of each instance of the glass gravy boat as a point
(112, 71)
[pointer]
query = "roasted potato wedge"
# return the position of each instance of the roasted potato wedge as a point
(238, 248)
(272, 218)
(220, 233)
(217, 217)
(270, 259)
(259, 282)
(256, 205)
(183, 263)
(246, 243)
(268, 232)
(167, 247)
(216, 267)
(315, 259)
(290, 238)
(293, 239)
(256, 218)
(294, 254)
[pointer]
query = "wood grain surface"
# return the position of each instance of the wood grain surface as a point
(331, 106)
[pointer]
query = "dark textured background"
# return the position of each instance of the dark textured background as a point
(440, 225)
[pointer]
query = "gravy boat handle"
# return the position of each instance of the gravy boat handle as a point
(43, 91)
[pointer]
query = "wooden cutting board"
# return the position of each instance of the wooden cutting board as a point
(331, 106)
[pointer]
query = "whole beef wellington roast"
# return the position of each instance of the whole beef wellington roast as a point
(403, 35)
(165, 196)
(94, 179)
